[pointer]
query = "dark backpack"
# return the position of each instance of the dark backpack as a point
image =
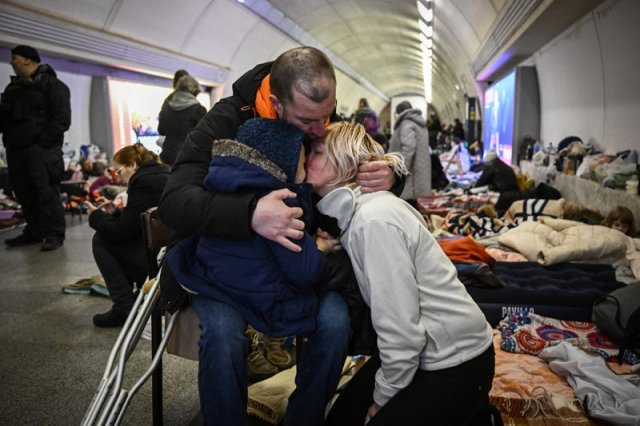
(617, 315)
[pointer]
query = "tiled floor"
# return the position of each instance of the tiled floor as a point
(52, 357)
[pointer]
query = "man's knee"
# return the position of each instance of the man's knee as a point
(333, 315)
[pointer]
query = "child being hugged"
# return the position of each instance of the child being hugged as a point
(271, 286)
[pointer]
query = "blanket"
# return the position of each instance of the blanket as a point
(527, 392)
(530, 333)
(532, 209)
(612, 398)
(552, 241)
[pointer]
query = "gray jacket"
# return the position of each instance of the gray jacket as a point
(411, 139)
(422, 313)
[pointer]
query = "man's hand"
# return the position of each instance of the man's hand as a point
(276, 221)
(373, 410)
(375, 176)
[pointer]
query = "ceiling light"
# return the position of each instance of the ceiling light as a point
(426, 13)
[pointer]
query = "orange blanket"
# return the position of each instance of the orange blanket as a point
(527, 392)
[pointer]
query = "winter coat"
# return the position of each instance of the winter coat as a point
(499, 176)
(411, 139)
(36, 110)
(177, 118)
(122, 233)
(144, 190)
(271, 286)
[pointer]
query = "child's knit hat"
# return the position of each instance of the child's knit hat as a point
(277, 140)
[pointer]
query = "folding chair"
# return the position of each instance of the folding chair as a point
(112, 399)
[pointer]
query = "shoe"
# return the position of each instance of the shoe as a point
(277, 354)
(22, 240)
(51, 243)
(110, 318)
(258, 367)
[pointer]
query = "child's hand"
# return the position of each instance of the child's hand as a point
(326, 243)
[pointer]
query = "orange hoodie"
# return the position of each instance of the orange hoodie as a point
(264, 107)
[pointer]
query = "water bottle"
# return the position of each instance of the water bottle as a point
(550, 149)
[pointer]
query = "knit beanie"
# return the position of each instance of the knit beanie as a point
(277, 140)
(26, 52)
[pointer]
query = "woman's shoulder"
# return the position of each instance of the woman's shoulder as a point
(150, 171)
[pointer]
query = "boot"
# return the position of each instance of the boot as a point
(110, 319)
(277, 354)
(22, 240)
(258, 367)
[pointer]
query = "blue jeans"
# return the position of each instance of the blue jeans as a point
(222, 375)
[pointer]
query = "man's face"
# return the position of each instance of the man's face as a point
(20, 65)
(305, 114)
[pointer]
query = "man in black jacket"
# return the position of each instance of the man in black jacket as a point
(34, 114)
(299, 87)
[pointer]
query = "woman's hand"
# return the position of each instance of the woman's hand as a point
(326, 243)
(373, 410)
(375, 176)
(90, 207)
(106, 205)
(102, 204)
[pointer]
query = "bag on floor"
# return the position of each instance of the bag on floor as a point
(617, 315)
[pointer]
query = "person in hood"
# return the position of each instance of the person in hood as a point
(270, 286)
(435, 359)
(35, 111)
(179, 115)
(411, 139)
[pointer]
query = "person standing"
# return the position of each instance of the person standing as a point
(411, 139)
(179, 116)
(35, 111)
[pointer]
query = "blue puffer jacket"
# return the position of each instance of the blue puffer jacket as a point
(271, 286)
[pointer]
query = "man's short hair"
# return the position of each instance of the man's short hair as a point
(301, 68)
(26, 52)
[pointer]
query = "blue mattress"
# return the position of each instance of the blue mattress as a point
(565, 291)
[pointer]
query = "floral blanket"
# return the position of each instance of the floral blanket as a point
(530, 333)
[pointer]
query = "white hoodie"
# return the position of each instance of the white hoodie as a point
(422, 313)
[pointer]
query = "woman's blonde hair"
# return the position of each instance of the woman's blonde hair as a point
(348, 145)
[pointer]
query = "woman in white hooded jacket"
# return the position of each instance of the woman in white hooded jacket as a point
(436, 358)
